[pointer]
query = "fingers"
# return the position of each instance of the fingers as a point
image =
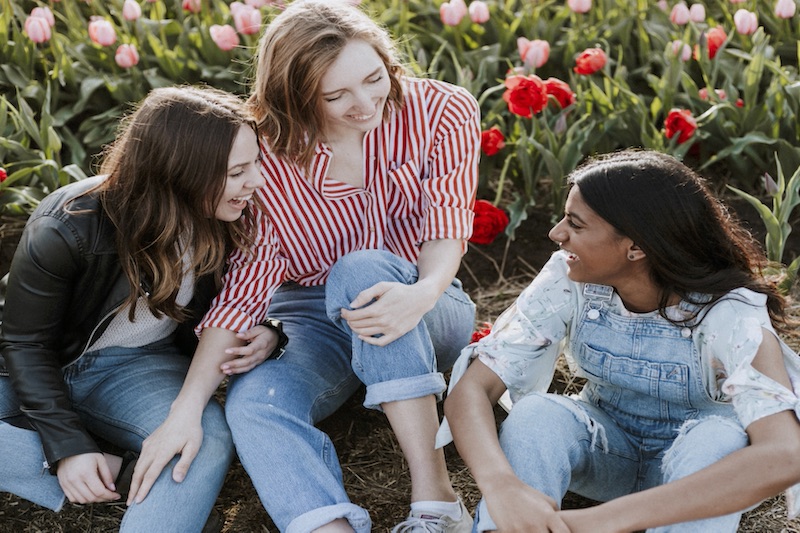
(366, 296)
(182, 468)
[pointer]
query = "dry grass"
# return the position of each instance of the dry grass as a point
(375, 472)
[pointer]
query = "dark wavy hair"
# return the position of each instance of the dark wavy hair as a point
(166, 174)
(694, 245)
(295, 52)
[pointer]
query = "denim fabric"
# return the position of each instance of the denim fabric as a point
(644, 418)
(123, 395)
(273, 408)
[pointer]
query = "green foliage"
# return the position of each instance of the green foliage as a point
(785, 197)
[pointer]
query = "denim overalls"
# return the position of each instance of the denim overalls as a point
(644, 417)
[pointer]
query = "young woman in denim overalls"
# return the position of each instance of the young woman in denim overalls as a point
(688, 415)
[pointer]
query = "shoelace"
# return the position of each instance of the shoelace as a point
(412, 524)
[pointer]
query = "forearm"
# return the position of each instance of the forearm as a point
(205, 372)
(470, 414)
(438, 264)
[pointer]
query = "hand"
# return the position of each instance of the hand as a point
(260, 342)
(386, 311)
(517, 507)
(180, 435)
(87, 478)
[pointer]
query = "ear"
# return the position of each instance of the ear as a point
(635, 253)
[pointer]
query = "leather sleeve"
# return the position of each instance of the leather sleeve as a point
(44, 272)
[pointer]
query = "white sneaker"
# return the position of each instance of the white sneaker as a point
(427, 522)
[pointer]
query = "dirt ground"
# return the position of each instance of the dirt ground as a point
(375, 473)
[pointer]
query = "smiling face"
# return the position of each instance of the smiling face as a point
(598, 253)
(354, 91)
(243, 178)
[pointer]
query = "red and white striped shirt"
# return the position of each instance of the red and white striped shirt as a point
(420, 177)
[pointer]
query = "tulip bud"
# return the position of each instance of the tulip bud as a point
(682, 50)
(37, 29)
(126, 56)
(533, 53)
(224, 36)
(680, 14)
(697, 13)
(102, 32)
(580, 6)
(746, 22)
(769, 184)
(131, 10)
(45, 13)
(478, 12)
(785, 9)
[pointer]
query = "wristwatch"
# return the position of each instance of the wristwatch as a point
(277, 326)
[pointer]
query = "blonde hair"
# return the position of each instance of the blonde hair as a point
(294, 54)
(167, 171)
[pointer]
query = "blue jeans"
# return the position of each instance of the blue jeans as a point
(555, 444)
(644, 417)
(273, 408)
(122, 395)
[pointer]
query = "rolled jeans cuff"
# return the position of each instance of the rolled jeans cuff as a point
(404, 389)
(357, 517)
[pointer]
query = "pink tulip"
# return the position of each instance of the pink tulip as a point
(533, 53)
(478, 12)
(224, 36)
(37, 29)
(247, 19)
(682, 50)
(257, 3)
(131, 10)
(680, 14)
(45, 13)
(451, 13)
(663, 5)
(746, 22)
(102, 32)
(697, 13)
(579, 6)
(785, 9)
(126, 56)
(193, 6)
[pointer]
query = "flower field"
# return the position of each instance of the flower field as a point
(713, 82)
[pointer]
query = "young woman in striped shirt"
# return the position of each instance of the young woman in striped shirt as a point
(371, 178)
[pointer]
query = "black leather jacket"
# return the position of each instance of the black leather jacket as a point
(63, 288)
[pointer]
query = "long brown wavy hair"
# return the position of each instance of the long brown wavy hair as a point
(695, 247)
(294, 54)
(167, 171)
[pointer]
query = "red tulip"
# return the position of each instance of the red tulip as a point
(680, 122)
(525, 95)
(492, 140)
(590, 61)
(560, 90)
(488, 223)
(480, 333)
(3, 175)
